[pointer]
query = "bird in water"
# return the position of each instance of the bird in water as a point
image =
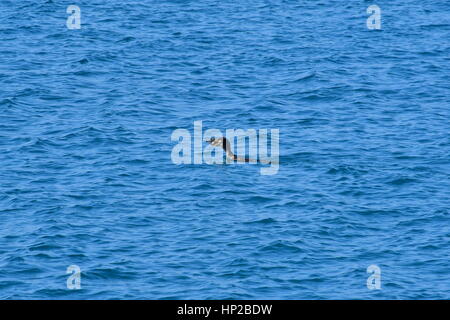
(225, 145)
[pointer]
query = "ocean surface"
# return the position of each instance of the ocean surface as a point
(86, 176)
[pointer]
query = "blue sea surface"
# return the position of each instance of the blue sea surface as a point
(86, 176)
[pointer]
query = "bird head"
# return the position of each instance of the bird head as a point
(216, 141)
